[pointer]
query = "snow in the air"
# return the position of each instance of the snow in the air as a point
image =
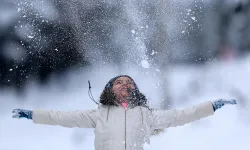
(228, 129)
(145, 64)
(188, 85)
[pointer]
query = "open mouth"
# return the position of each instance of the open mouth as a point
(124, 89)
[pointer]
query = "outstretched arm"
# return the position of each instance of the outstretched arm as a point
(82, 119)
(173, 118)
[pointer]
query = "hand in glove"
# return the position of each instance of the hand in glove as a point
(22, 113)
(221, 102)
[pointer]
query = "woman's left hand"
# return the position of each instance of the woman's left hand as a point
(221, 102)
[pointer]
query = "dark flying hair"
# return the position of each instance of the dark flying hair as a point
(138, 99)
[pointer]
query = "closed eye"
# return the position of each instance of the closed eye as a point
(121, 82)
(118, 82)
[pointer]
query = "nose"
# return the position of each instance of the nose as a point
(125, 83)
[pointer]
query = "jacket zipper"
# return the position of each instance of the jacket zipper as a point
(141, 115)
(108, 114)
(125, 128)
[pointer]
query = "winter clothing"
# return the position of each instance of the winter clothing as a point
(22, 113)
(219, 103)
(117, 128)
(124, 105)
(125, 126)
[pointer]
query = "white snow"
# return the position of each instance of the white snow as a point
(228, 129)
(145, 64)
(153, 52)
(133, 31)
(30, 36)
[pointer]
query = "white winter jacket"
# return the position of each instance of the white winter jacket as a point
(120, 129)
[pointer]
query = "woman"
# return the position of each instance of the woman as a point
(123, 120)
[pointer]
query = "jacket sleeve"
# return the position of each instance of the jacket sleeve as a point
(173, 118)
(82, 119)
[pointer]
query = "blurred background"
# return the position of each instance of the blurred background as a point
(180, 53)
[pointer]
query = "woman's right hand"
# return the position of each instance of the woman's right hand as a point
(221, 102)
(22, 113)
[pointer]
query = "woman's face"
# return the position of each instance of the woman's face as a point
(121, 86)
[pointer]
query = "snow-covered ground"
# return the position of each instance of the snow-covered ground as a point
(228, 129)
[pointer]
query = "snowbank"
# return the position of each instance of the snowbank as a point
(228, 129)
